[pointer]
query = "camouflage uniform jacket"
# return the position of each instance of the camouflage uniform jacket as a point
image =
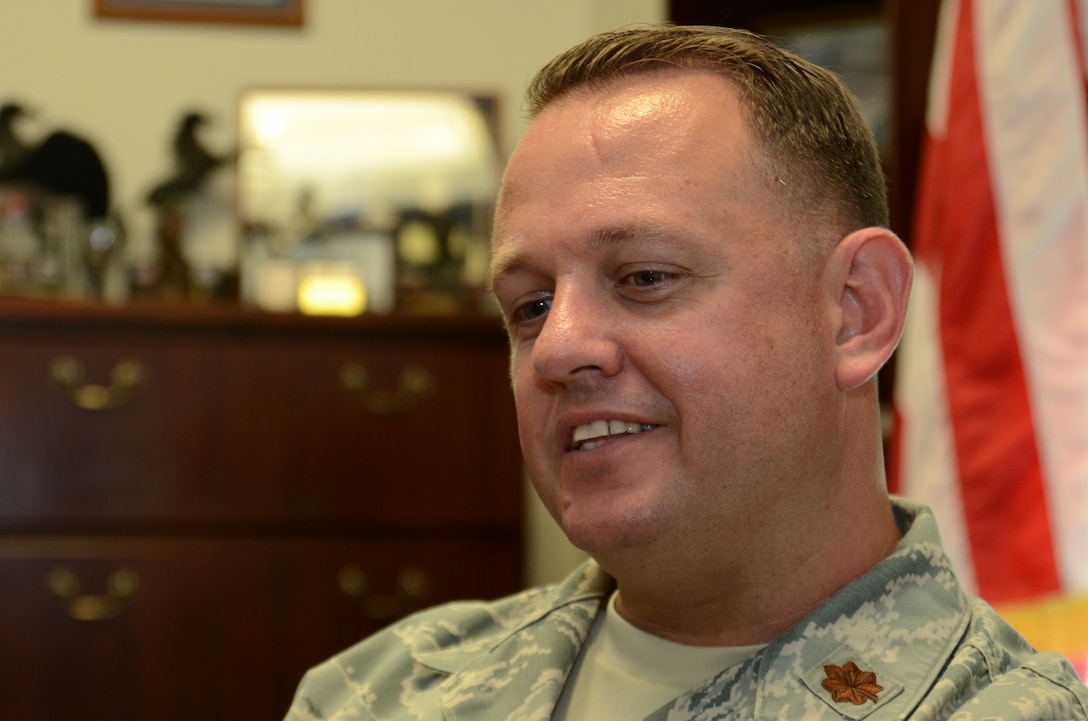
(903, 641)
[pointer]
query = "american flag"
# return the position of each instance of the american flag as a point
(991, 393)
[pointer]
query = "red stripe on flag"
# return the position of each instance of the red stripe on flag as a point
(1001, 482)
(1078, 39)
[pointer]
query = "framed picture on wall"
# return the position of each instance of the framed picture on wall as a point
(854, 44)
(244, 12)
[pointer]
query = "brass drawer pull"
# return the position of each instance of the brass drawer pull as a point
(120, 587)
(413, 385)
(411, 590)
(127, 376)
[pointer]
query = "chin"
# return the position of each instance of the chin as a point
(603, 533)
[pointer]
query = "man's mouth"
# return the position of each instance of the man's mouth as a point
(597, 433)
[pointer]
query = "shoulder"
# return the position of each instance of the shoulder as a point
(997, 674)
(364, 681)
(952, 655)
(421, 650)
(466, 627)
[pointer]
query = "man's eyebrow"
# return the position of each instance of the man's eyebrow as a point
(503, 264)
(615, 235)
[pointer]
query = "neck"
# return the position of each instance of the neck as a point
(754, 602)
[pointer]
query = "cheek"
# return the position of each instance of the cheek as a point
(534, 450)
(531, 426)
(688, 368)
(719, 354)
(740, 371)
(533, 406)
(521, 378)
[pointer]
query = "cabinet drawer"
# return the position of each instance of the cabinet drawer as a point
(208, 629)
(269, 428)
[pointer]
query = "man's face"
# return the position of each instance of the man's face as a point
(671, 357)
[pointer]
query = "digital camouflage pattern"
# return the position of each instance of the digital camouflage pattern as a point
(903, 641)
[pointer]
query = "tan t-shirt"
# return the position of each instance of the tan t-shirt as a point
(626, 673)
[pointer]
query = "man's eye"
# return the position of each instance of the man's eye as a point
(533, 310)
(647, 278)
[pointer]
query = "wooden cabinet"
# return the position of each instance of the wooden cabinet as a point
(198, 504)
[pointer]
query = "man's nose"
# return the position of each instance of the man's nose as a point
(579, 340)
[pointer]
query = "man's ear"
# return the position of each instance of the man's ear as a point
(869, 277)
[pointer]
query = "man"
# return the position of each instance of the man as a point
(691, 258)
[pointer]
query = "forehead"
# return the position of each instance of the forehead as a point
(664, 147)
(656, 115)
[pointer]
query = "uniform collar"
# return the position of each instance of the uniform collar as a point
(899, 622)
(542, 647)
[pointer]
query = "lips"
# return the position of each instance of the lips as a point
(592, 435)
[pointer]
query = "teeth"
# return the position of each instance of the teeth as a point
(584, 434)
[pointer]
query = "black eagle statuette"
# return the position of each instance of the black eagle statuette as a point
(193, 162)
(64, 163)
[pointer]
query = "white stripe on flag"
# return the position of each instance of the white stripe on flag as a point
(937, 96)
(1032, 93)
(928, 469)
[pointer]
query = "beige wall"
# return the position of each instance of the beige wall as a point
(122, 85)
